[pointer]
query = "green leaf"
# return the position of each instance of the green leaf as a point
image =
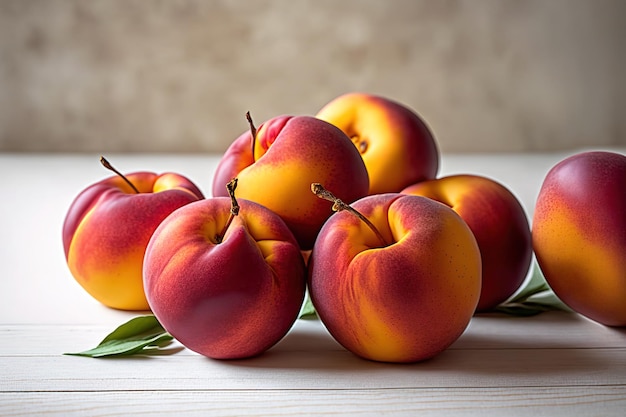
(139, 335)
(308, 310)
(536, 297)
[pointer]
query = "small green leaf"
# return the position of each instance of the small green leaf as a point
(308, 310)
(139, 335)
(536, 297)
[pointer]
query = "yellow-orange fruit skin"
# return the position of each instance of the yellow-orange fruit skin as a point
(404, 302)
(499, 224)
(579, 234)
(397, 146)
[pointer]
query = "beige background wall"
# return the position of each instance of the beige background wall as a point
(178, 76)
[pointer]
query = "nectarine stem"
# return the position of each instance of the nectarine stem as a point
(252, 131)
(234, 209)
(338, 205)
(110, 167)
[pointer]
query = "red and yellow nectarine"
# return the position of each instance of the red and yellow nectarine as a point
(291, 152)
(404, 300)
(225, 294)
(579, 234)
(397, 146)
(107, 229)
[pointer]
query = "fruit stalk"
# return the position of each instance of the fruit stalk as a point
(234, 209)
(110, 167)
(338, 205)
(252, 131)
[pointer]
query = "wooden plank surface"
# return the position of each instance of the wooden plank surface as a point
(555, 363)
(497, 401)
(553, 349)
(550, 330)
(327, 370)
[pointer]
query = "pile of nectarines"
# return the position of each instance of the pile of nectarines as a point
(395, 274)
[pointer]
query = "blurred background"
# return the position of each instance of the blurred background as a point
(179, 75)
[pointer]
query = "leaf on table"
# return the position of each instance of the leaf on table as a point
(535, 298)
(140, 335)
(308, 310)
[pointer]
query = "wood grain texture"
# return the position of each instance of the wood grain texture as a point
(488, 355)
(522, 402)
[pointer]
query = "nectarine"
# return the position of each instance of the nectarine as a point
(404, 294)
(290, 152)
(226, 286)
(579, 234)
(397, 146)
(107, 229)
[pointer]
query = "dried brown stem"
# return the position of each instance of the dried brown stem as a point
(338, 205)
(234, 209)
(252, 131)
(110, 167)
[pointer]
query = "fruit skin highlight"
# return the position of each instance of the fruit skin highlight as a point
(397, 146)
(499, 224)
(579, 234)
(107, 229)
(230, 299)
(402, 302)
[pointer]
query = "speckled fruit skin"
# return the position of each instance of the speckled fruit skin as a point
(108, 226)
(397, 146)
(405, 302)
(291, 152)
(579, 234)
(228, 300)
(499, 224)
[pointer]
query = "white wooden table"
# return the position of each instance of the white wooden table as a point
(554, 364)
